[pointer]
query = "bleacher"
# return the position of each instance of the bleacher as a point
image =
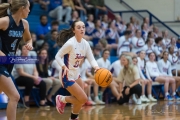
(34, 18)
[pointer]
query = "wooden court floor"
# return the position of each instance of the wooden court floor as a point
(150, 111)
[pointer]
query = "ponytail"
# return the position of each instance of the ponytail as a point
(4, 9)
(63, 36)
(66, 34)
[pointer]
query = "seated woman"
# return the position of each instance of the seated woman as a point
(130, 77)
(27, 75)
(173, 59)
(50, 81)
(154, 74)
(144, 80)
(165, 68)
(85, 70)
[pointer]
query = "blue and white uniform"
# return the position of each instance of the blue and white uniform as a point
(138, 44)
(165, 68)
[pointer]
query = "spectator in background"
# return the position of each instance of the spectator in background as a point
(34, 39)
(156, 32)
(45, 45)
(98, 33)
(53, 47)
(178, 43)
(59, 8)
(144, 82)
(111, 33)
(129, 27)
(151, 36)
(104, 62)
(103, 44)
(137, 42)
(159, 48)
(88, 6)
(173, 59)
(104, 22)
(135, 23)
(154, 74)
(112, 37)
(27, 75)
(173, 44)
(90, 25)
(124, 43)
(81, 10)
(50, 81)
(42, 29)
(165, 68)
(166, 41)
(100, 8)
(44, 4)
(144, 29)
(129, 76)
(120, 25)
(54, 26)
(97, 52)
(75, 16)
(149, 48)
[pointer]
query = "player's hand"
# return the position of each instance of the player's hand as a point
(119, 96)
(96, 68)
(65, 71)
(29, 46)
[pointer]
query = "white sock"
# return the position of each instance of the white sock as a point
(96, 98)
(143, 96)
(174, 93)
(149, 96)
(167, 94)
(90, 98)
(63, 99)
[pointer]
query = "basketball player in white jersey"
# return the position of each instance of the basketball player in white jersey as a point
(144, 81)
(155, 75)
(165, 68)
(173, 58)
(88, 78)
(137, 42)
(74, 49)
(148, 48)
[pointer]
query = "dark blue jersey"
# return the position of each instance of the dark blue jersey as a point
(9, 41)
(11, 37)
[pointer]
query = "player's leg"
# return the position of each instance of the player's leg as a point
(8, 87)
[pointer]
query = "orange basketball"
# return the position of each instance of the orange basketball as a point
(103, 77)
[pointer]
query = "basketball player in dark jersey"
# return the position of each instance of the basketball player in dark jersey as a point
(13, 28)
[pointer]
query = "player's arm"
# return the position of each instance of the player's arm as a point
(4, 22)
(26, 36)
(90, 58)
(65, 49)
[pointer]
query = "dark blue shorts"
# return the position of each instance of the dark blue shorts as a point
(153, 79)
(4, 71)
(66, 83)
